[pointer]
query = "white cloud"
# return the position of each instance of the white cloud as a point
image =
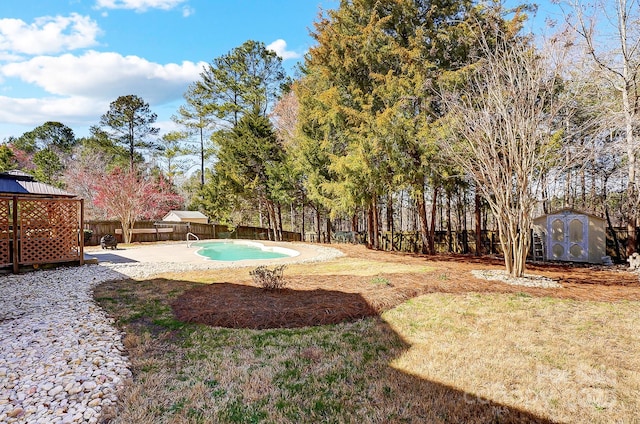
(138, 5)
(187, 11)
(80, 88)
(280, 48)
(47, 35)
(105, 76)
(33, 112)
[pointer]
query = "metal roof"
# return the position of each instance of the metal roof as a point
(20, 183)
(187, 214)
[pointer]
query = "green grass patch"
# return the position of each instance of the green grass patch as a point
(435, 358)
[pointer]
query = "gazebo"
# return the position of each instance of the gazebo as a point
(39, 223)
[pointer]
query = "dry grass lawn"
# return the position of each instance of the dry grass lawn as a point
(441, 347)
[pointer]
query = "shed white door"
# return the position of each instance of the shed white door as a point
(568, 238)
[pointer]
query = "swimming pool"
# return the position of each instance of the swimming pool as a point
(241, 250)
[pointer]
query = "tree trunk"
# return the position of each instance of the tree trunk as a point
(376, 223)
(328, 227)
(389, 213)
(515, 241)
(449, 232)
(465, 235)
(370, 227)
(318, 225)
(631, 224)
(127, 226)
(629, 117)
(478, 213)
(201, 157)
(273, 220)
(302, 225)
(432, 237)
(545, 194)
(424, 225)
(293, 217)
(616, 242)
(279, 216)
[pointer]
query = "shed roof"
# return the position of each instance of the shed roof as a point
(21, 183)
(187, 214)
(567, 211)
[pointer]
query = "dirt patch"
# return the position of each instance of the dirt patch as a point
(319, 299)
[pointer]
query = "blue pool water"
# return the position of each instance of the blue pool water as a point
(232, 251)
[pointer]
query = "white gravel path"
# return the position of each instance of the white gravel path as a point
(61, 358)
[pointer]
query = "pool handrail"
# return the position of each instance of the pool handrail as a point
(189, 241)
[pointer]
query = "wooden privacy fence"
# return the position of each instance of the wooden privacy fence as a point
(149, 231)
(459, 242)
(36, 231)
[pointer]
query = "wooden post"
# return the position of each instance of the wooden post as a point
(81, 231)
(16, 251)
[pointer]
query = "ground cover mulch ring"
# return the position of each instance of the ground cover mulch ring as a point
(246, 306)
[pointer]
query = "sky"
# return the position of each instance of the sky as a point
(66, 60)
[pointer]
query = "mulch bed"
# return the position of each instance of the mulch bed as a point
(245, 306)
(330, 299)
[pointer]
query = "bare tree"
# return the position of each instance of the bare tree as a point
(611, 38)
(285, 117)
(505, 131)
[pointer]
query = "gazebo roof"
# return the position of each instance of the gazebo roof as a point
(20, 183)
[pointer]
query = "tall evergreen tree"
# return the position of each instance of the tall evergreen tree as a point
(250, 162)
(129, 122)
(53, 135)
(238, 90)
(195, 115)
(248, 79)
(373, 73)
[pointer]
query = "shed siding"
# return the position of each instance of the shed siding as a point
(596, 232)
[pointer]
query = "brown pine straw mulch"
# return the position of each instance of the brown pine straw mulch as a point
(331, 299)
(247, 306)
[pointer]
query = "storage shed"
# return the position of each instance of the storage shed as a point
(572, 236)
(39, 223)
(186, 216)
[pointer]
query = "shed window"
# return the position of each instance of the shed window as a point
(576, 230)
(557, 230)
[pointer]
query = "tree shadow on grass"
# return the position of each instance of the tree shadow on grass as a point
(394, 395)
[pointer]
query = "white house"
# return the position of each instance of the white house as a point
(186, 216)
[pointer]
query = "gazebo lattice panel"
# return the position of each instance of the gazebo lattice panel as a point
(5, 232)
(49, 231)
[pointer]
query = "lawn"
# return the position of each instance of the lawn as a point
(438, 346)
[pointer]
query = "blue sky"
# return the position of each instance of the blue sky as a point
(66, 60)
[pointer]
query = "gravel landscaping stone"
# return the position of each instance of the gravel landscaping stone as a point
(59, 350)
(62, 358)
(527, 280)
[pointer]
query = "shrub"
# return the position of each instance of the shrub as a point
(381, 281)
(269, 279)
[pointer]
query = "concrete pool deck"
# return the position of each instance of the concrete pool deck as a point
(179, 253)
